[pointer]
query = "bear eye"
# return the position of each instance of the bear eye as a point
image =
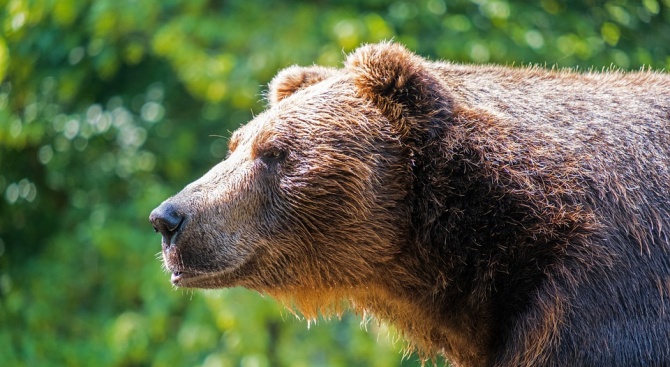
(273, 155)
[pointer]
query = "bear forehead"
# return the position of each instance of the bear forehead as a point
(335, 93)
(313, 109)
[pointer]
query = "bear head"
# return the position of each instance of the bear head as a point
(315, 198)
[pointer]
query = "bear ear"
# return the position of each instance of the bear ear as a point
(294, 78)
(401, 85)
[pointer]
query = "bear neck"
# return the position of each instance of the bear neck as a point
(426, 325)
(485, 239)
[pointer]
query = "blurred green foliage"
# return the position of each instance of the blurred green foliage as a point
(107, 107)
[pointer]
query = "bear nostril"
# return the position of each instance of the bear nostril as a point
(166, 220)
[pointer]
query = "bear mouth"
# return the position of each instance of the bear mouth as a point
(184, 275)
(190, 280)
(178, 276)
(226, 275)
(224, 278)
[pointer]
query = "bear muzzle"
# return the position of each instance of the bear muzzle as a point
(182, 256)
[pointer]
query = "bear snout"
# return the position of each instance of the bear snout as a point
(167, 220)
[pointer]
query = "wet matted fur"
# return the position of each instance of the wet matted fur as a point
(498, 216)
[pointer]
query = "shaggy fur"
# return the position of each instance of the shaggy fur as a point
(497, 216)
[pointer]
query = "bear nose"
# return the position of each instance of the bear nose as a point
(166, 220)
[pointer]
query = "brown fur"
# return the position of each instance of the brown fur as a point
(497, 216)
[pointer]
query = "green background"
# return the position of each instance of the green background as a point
(108, 107)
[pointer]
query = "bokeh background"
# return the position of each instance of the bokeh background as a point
(107, 107)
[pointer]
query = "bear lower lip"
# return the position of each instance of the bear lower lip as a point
(183, 279)
(213, 279)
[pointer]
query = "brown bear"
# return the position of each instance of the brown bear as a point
(497, 216)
